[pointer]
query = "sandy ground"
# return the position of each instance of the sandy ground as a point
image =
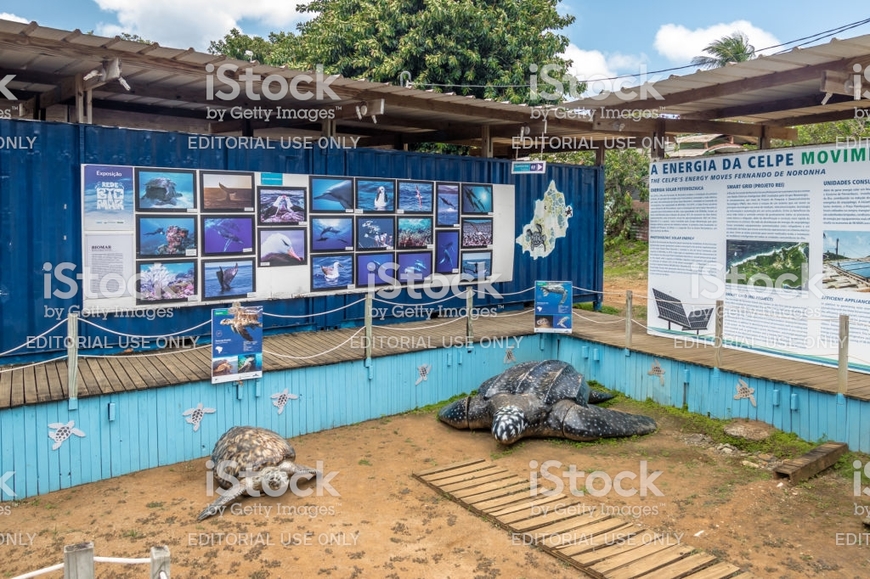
(387, 524)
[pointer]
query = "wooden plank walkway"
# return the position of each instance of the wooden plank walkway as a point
(123, 372)
(596, 543)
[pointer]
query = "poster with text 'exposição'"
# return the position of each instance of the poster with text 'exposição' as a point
(781, 236)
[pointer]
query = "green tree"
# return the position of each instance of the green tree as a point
(471, 47)
(732, 48)
(626, 178)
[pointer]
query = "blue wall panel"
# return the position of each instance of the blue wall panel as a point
(40, 211)
(149, 429)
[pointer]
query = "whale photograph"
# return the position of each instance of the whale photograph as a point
(225, 190)
(230, 278)
(227, 235)
(165, 189)
(447, 251)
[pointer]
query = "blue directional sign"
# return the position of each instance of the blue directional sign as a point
(528, 167)
(553, 307)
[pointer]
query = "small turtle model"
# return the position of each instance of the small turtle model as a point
(248, 459)
(542, 399)
(161, 190)
(536, 238)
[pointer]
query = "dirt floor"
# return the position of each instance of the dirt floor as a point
(387, 524)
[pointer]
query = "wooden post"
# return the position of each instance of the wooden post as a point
(78, 561)
(843, 358)
(160, 562)
(628, 322)
(80, 99)
(469, 306)
(368, 332)
(717, 342)
(72, 352)
(485, 142)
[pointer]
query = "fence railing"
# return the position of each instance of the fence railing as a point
(79, 559)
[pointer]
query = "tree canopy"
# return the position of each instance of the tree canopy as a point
(471, 47)
(732, 48)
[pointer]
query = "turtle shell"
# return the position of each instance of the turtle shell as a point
(248, 448)
(549, 381)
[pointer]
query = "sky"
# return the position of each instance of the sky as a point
(619, 37)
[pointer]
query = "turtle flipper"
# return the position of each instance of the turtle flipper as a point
(598, 396)
(570, 420)
(228, 496)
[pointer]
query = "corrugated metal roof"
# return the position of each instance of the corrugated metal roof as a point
(777, 90)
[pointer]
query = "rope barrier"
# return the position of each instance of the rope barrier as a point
(514, 293)
(33, 338)
(582, 317)
(86, 321)
(448, 298)
(332, 311)
(143, 355)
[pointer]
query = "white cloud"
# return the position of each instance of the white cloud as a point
(13, 18)
(681, 45)
(193, 23)
(598, 69)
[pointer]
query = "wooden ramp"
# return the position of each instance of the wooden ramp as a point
(812, 463)
(596, 543)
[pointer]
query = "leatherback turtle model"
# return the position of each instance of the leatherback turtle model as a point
(247, 459)
(542, 399)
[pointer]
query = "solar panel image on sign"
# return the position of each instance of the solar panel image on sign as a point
(671, 310)
(861, 268)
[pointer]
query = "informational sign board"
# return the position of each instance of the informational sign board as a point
(236, 343)
(553, 306)
(782, 237)
(528, 167)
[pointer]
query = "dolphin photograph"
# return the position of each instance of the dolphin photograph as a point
(476, 198)
(414, 266)
(447, 202)
(331, 233)
(375, 269)
(226, 190)
(331, 195)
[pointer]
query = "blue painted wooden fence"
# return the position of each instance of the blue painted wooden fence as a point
(130, 431)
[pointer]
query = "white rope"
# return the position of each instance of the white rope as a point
(512, 315)
(315, 355)
(32, 365)
(31, 339)
(392, 329)
(515, 293)
(58, 567)
(122, 560)
(120, 355)
(293, 317)
(205, 323)
(423, 304)
(597, 322)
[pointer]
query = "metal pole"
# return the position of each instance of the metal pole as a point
(717, 342)
(628, 299)
(368, 333)
(78, 561)
(160, 562)
(843, 358)
(72, 352)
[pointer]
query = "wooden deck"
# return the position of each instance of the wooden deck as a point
(600, 545)
(119, 373)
